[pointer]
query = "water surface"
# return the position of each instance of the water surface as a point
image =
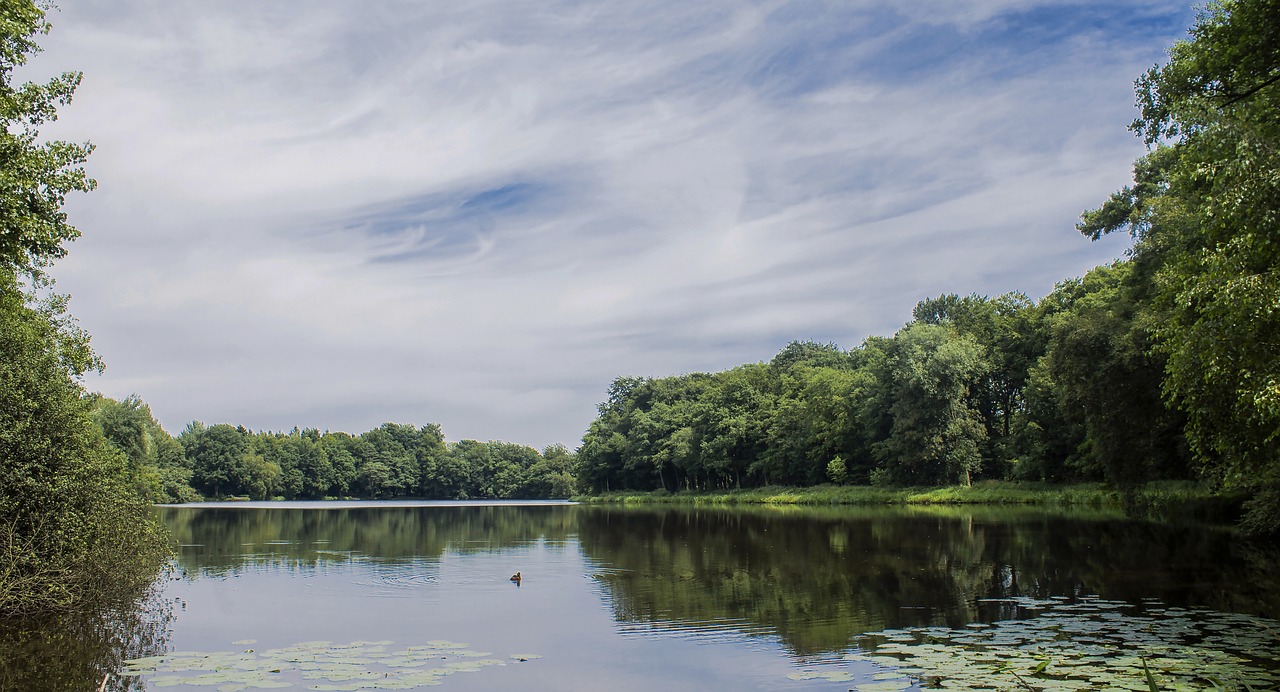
(660, 597)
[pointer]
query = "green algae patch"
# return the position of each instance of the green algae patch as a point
(316, 665)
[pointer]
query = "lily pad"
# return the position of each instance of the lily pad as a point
(318, 665)
(833, 676)
(1086, 644)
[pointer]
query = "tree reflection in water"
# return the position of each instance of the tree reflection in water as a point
(816, 579)
(75, 651)
(820, 578)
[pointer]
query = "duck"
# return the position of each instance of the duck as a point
(516, 577)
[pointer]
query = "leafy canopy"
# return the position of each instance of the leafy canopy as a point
(35, 176)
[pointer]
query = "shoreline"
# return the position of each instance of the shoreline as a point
(1164, 500)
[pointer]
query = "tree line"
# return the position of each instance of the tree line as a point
(391, 461)
(1163, 365)
(1065, 389)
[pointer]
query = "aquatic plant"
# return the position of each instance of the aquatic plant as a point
(318, 665)
(1081, 644)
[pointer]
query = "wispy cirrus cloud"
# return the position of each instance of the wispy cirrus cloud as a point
(478, 214)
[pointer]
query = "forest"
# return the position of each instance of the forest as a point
(1065, 389)
(391, 461)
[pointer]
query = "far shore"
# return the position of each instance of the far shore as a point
(1162, 500)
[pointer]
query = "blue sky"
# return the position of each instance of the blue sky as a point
(333, 214)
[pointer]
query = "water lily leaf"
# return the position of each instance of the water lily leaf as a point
(884, 686)
(833, 676)
(1089, 643)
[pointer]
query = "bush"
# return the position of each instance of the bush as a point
(73, 528)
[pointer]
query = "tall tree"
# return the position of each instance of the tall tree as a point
(73, 529)
(154, 456)
(217, 456)
(35, 176)
(1105, 377)
(937, 433)
(1205, 208)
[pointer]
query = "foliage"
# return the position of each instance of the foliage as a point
(1205, 208)
(35, 176)
(937, 432)
(390, 461)
(74, 532)
(1104, 380)
(974, 388)
(155, 458)
(73, 528)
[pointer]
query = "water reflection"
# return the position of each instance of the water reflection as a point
(609, 591)
(222, 541)
(76, 651)
(818, 579)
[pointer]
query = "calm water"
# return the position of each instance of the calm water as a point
(616, 598)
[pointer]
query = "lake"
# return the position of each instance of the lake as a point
(407, 595)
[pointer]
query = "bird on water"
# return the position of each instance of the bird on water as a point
(516, 577)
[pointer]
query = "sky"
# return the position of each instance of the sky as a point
(332, 214)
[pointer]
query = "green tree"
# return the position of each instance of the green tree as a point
(1205, 209)
(154, 456)
(837, 471)
(340, 450)
(35, 176)
(73, 529)
(216, 453)
(430, 452)
(552, 475)
(813, 420)
(257, 477)
(810, 353)
(318, 477)
(608, 458)
(1106, 380)
(937, 433)
(389, 468)
(1007, 328)
(511, 466)
(732, 421)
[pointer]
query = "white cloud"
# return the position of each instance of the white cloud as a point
(478, 214)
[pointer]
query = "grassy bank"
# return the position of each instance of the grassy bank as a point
(1158, 500)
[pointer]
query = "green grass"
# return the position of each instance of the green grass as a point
(1163, 500)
